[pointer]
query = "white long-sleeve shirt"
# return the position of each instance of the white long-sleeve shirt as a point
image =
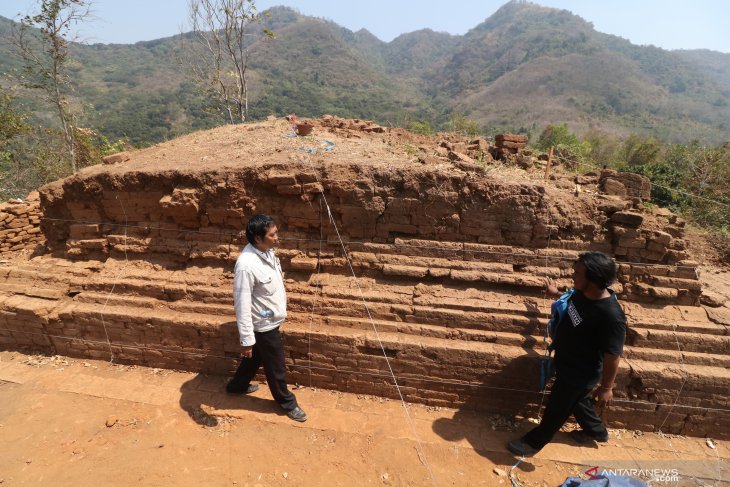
(259, 297)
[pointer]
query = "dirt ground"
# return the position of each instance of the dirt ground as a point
(81, 422)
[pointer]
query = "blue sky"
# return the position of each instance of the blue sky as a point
(671, 24)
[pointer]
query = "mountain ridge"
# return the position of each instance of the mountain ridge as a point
(521, 68)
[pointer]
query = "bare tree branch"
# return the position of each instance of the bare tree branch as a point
(42, 42)
(218, 56)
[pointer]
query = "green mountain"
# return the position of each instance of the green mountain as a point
(522, 68)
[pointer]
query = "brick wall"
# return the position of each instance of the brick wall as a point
(20, 224)
(450, 264)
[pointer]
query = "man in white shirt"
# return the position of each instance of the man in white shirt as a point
(259, 299)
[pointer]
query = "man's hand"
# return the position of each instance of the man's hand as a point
(246, 352)
(551, 287)
(603, 396)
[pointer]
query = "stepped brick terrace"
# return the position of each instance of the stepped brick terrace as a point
(449, 239)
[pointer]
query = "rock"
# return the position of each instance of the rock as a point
(627, 218)
(614, 187)
(312, 188)
(441, 151)
(111, 421)
(525, 162)
(661, 238)
(521, 139)
(611, 207)
(583, 180)
(721, 316)
(712, 299)
(510, 145)
(469, 166)
(625, 184)
(458, 156)
(478, 144)
(116, 158)
(499, 472)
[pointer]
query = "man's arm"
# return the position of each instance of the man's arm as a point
(551, 287)
(242, 291)
(604, 392)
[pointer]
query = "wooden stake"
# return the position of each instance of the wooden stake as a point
(549, 162)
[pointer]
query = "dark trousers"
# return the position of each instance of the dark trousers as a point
(269, 350)
(566, 399)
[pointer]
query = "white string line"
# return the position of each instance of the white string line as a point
(719, 467)
(547, 305)
(114, 284)
(314, 301)
(679, 392)
(318, 267)
(357, 283)
(375, 329)
(684, 372)
(333, 369)
(511, 472)
(364, 243)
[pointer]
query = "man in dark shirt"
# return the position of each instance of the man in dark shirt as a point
(588, 346)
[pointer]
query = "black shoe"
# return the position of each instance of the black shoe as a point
(519, 447)
(297, 414)
(583, 438)
(248, 390)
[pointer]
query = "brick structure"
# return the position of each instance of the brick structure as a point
(449, 261)
(625, 184)
(20, 224)
(508, 144)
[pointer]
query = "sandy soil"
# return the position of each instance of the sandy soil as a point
(72, 422)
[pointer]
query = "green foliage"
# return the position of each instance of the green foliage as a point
(640, 151)
(411, 150)
(91, 147)
(464, 126)
(555, 135)
(691, 179)
(604, 148)
(43, 45)
(12, 124)
(700, 171)
(32, 155)
(567, 146)
(35, 157)
(422, 127)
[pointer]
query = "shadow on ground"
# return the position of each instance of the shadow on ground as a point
(487, 420)
(203, 394)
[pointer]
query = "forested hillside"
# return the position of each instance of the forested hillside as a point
(524, 67)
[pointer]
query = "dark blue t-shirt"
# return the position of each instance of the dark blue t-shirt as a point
(588, 330)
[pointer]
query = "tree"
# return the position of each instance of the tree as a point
(12, 122)
(641, 151)
(43, 44)
(464, 126)
(219, 54)
(569, 149)
(28, 154)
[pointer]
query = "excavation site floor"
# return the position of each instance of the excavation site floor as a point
(79, 422)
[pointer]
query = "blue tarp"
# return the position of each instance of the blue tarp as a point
(604, 481)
